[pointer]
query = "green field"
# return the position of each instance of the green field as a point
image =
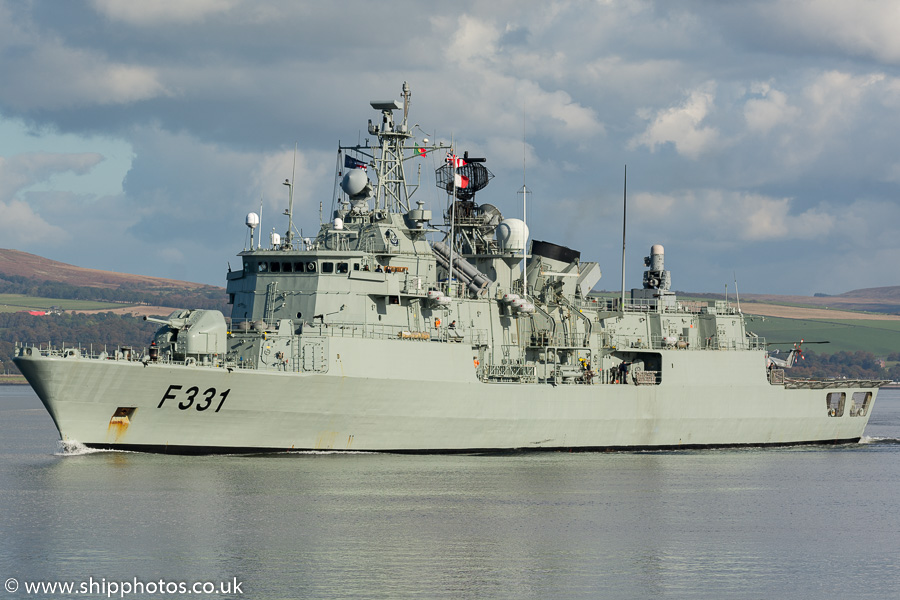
(18, 302)
(878, 337)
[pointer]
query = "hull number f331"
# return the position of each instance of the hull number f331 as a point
(188, 396)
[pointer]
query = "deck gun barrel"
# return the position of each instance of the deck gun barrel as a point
(173, 323)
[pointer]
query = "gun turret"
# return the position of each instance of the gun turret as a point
(196, 334)
(170, 322)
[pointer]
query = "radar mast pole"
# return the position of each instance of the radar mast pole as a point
(259, 239)
(624, 212)
(452, 217)
(289, 237)
(524, 211)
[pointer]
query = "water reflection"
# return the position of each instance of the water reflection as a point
(699, 524)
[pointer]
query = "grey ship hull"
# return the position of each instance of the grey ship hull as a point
(435, 403)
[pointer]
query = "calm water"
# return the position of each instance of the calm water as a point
(809, 522)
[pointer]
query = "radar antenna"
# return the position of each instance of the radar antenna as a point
(392, 193)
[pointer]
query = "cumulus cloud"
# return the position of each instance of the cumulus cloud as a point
(272, 169)
(501, 90)
(726, 215)
(769, 110)
(41, 71)
(23, 170)
(865, 27)
(682, 125)
(20, 225)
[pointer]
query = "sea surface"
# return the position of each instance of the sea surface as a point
(813, 522)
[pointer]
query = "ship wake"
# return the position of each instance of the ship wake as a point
(76, 448)
(874, 439)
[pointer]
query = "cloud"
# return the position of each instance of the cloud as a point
(506, 86)
(272, 169)
(769, 110)
(23, 170)
(20, 226)
(863, 28)
(41, 71)
(725, 215)
(160, 12)
(682, 125)
(764, 122)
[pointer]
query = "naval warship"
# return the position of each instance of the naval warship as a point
(387, 332)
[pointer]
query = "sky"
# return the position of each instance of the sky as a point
(761, 137)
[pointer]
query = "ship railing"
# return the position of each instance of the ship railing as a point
(648, 305)
(693, 307)
(643, 377)
(413, 285)
(66, 350)
(776, 376)
(545, 338)
(679, 342)
(820, 384)
(444, 333)
(595, 303)
(640, 305)
(510, 372)
(756, 343)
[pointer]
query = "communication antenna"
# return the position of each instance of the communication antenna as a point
(289, 236)
(524, 193)
(624, 212)
(737, 293)
(259, 239)
(452, 218)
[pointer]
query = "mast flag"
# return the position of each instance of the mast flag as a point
(352, 163)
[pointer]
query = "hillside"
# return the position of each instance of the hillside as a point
(110, 304)
(38, 268)
(887, 294)
(877, 300)
(34, 276)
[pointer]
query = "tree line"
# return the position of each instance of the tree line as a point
(852, 365)
(99, 329)
(207, 297)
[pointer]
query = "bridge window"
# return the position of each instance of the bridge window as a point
(311, 266)
(342, 267)
(298, 267)
(275, 267)
(328, 267)
(262, 267)
(287, 267)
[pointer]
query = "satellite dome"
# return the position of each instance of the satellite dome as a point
(512, 235)
(252, 220)
(354, 182)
